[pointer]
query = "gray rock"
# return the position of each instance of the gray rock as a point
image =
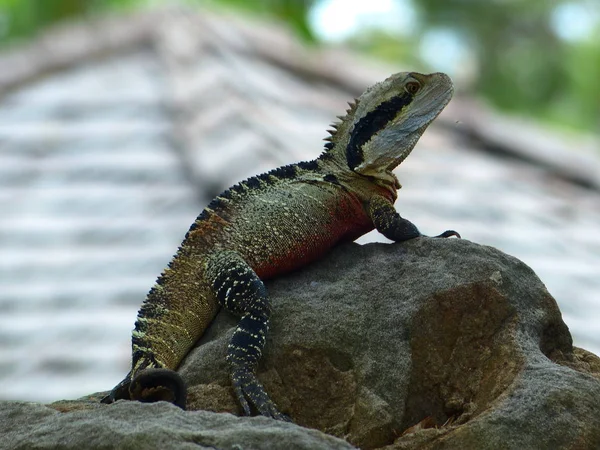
(133, 425)
(433, 343)
(458, 339)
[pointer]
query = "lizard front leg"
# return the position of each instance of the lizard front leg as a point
(239, 290)
(393, 226)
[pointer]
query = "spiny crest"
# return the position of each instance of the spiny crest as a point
(341, 126)
(221, 203)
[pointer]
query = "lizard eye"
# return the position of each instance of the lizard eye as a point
(412, 87)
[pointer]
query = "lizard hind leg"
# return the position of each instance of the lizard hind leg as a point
(239, 290)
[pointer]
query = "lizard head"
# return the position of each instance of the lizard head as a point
(380, 130)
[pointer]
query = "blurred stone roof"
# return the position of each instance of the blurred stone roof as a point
(114, 134)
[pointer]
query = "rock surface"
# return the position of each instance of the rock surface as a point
(132, 426)
(378, 338)
(433, 343)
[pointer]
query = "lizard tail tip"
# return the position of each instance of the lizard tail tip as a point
(154, 385)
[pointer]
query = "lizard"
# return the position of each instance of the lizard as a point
(271, 224)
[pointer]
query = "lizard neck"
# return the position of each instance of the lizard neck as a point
(383, 183)
(387, 181)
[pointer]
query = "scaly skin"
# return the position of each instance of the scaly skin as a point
(274, 223)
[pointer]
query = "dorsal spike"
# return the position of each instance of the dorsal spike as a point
(352, 106)
(339, 128)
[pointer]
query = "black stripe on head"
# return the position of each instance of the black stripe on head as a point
(370, 124)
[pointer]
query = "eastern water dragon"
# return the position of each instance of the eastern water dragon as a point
(271, 224)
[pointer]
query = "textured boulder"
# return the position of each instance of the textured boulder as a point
(433, 343)
(132, 426)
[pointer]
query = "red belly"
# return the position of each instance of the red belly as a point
(310, 243)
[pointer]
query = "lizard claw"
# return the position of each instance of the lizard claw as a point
(447, 234)
(239, 393)
(247, 387)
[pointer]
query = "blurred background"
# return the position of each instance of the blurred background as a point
(120, 119)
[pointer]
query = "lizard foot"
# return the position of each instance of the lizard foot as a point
(247, 387)
(119, 392)
(154, 385)
(447, 234)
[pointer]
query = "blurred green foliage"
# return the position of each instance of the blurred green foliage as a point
(24, 18)
(293, 12)
(520, 63)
